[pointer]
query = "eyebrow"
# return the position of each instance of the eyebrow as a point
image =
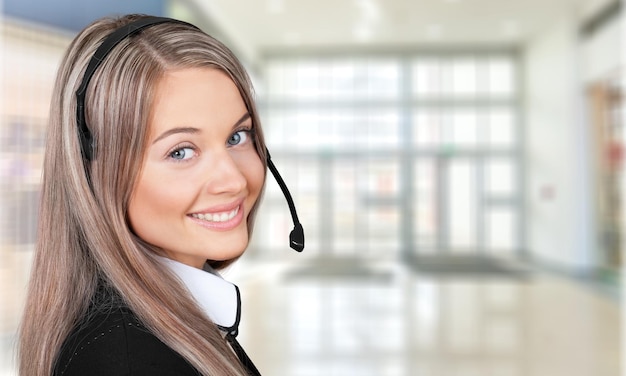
(192, 130)
(245, 117)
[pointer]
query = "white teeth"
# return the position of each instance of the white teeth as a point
(217, 217)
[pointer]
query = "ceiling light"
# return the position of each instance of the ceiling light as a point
(362, 33)
(369, 17)
(510, 28)
(370, 11)
(434, 31)
(275, 6)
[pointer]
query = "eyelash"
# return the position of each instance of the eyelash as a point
(250, 133)
(178, 148)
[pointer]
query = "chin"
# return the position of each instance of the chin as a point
(224, 254)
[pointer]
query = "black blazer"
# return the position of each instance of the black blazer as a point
(111, 340)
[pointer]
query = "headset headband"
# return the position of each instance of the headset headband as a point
(296, 237)
(98, 57)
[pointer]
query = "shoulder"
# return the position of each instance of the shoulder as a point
(112, 341)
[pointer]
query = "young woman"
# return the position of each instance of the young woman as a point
(154, 165)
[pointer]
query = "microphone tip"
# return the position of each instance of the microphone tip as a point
(296, 238)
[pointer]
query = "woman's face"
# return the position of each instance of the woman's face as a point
(201, 174)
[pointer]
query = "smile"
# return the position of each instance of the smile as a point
(217, 217)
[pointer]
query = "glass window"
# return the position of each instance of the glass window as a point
(345, 207)
(378, 192)
(462, 202)
(337, 79)
(464, 77)
(501, 77)
(340, 75)
(383, 236)
(333, 129)
(501, 226)
(426, 196)
(427, 128)
(501, 128)
(380, 178)
(343, 113)
(427, 78)
(383, 78)
(500, 177)
(464, 131)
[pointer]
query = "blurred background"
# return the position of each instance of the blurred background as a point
(456, 164)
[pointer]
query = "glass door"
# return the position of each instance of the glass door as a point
(394, 156)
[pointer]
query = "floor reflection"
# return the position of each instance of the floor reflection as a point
(398, 322)
(412, 324)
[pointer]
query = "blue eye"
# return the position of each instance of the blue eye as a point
(182, 153)
(239, 137)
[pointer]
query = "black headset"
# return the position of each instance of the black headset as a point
(296, 237)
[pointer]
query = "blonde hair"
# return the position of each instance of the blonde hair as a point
(84, 236)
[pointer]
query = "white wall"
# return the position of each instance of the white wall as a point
(557, 202)
(601, 54)
(561, 229)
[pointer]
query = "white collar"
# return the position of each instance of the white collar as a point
(218, 298)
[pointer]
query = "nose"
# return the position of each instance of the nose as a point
(225, 175)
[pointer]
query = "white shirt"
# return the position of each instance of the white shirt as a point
(219, 298)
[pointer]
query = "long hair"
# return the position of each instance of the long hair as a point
(84, 235)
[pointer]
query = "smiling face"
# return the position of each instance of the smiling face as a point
(201, 173)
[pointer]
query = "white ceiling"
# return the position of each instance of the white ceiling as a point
(260, 25)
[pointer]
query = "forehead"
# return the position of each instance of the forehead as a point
(197, 82)
(195, 97)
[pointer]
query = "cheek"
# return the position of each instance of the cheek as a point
(151, 198)
(252, 168)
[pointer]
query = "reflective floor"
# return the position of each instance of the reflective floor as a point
(400, 323)
(397, 322)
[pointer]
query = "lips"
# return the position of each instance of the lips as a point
(221, 217)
